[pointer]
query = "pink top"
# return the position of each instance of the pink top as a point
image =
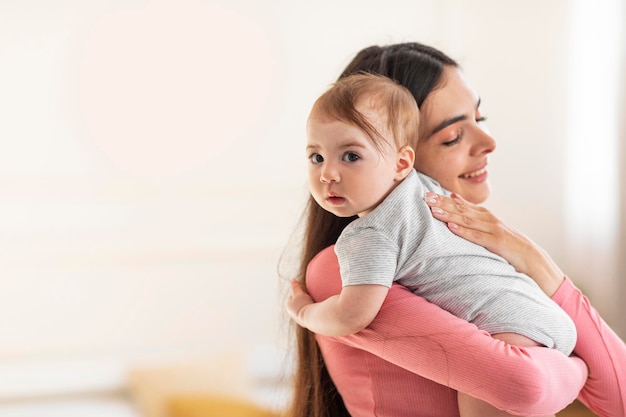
(414, 356)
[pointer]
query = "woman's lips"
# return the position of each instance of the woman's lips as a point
(479, 175)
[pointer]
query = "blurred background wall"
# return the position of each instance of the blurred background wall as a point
(152, 166)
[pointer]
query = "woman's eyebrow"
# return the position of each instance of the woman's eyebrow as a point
(451, 121)
(447, 123)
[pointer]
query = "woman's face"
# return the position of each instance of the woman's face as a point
(454, 147)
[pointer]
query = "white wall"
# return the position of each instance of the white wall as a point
(151, 160)
(550, 74)
(621, 265)
(595, 112)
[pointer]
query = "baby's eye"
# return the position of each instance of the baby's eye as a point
(351, 157)
(316, 158)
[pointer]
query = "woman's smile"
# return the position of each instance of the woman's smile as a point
(478, 176)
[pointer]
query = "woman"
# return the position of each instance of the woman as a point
(400, 366)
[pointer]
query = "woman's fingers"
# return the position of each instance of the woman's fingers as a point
(478, 225)
(456, 211)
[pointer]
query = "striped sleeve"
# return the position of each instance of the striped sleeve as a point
(366, 256)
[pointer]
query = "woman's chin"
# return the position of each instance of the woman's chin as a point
(476, 193)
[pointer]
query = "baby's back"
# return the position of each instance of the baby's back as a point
(465, 278)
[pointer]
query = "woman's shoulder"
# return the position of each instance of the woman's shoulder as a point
(324, 256)
(323, 277)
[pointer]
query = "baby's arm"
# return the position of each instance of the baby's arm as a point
(348, 312)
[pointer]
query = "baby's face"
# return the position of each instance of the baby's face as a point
(348, 174)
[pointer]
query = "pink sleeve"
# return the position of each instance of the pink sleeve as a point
(419, 336)
(601, 349)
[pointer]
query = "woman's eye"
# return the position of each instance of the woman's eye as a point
(452, 142)
(316, 158)
(481, 119)
(351, 157)
(459, 134)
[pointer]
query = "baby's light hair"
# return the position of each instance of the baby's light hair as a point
(394, 103)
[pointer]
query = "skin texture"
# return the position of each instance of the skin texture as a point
(347, 175)
(455, 146)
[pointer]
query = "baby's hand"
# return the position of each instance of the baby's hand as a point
(297, 301)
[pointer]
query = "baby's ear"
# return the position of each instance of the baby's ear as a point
(404, 162)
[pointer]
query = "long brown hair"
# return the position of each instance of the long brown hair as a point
(418, 68)
(314, 394)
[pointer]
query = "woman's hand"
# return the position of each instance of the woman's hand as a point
(478, 225)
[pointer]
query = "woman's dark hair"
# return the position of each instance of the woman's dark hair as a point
(416, 66)
(419, 68)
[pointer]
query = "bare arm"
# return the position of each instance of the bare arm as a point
(348, 312)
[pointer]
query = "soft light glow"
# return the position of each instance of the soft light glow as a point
(174, 98)
(36, 138)
(592, 160)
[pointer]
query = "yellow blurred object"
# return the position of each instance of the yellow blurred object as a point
(154, 386)
(208, 406)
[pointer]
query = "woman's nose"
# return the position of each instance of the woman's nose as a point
(484, 143)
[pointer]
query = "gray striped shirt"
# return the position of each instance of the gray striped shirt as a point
(401, 241)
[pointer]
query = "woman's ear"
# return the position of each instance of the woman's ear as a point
(404, 162)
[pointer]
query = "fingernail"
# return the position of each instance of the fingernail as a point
(430, 200)
(437, 210)
(453, 225)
